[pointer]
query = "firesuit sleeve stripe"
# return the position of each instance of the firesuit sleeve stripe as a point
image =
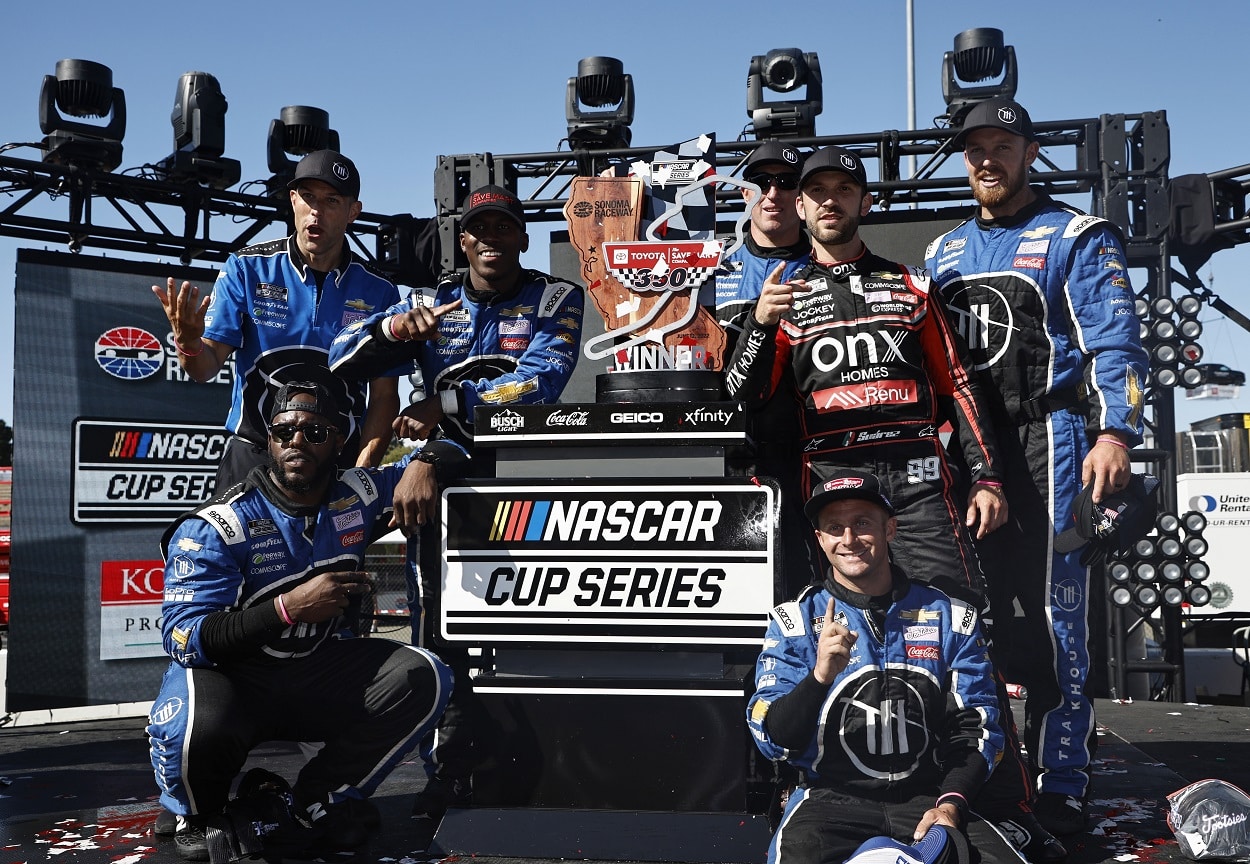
(225, 521)
(1113, 355)
(553, 298)
(362, 484)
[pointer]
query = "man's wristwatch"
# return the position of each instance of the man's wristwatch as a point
(427, 457)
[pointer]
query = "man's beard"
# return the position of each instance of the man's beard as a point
(835, 236)
(297, 484)
(998, 195)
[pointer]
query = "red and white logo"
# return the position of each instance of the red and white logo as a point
(865, 394)
(923, 652)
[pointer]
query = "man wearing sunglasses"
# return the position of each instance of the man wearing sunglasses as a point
(259, 588)
(775, 237)
(275, 308)
(869, 352)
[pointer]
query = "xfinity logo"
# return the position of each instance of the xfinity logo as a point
(857, 349)
(703, 416)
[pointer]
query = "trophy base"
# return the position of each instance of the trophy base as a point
(660, 385)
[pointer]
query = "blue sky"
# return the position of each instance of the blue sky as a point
(404, 82)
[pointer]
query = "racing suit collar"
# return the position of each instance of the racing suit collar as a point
(260, 478)
(1024, 214)
(298, 262)
(793, 252)
(901, 585)
(488, 298)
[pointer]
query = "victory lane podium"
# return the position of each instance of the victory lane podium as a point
(618, 584)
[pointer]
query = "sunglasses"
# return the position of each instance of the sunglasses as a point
(788, 182)
(314, 433)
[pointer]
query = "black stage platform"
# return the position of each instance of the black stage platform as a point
(83, 792)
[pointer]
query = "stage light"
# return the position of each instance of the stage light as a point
(1171, 572)
(298, 131)
(784, 70)
(1141, 308)
(1173, 596)
(1191, 352)
(1170, 547)
(1164, 352)
(1196, 546)
(602, 84)
(1197, 571)
(1163, 307)
(81, 88)
(1190, 305)
(979, 55)
(1191, 328)
(1119, 572)
(1194, 522)
(1146, 596)
(1144, 571)
(1163, 329)
(1198, 595)
(1121, 595)
(1168, 523)
(1165, 377)
(1144, 548)
(199, 119)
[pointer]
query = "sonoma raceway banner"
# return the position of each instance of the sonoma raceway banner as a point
(111, 443)
(688, 563)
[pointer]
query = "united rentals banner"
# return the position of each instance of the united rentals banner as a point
(685, 564)
(111, 442)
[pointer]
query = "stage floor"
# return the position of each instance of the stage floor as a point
(83, 792)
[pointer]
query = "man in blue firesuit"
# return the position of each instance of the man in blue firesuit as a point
(1040, 292)
(499, 334)
(259, 587)
(879, 690)
(275, 308)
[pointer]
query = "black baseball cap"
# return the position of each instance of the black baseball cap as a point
(834, 158)
(845, 484)
(774, 151)
(1117, 522)
(328, 166)
(497, 198)
(997, 113)
(294, 396)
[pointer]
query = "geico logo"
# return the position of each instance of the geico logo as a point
(857, 349)
(637, 417)
(613, 587)
(663, 521)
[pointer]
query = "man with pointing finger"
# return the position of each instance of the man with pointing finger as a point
(499, 334)
(880, 692)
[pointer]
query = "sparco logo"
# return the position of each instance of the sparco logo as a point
(560, 417)
(857, 349)
(222, 522)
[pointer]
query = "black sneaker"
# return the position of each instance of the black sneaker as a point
(335, 826)
(439, 794)
(166, 824)
(1060, 814)
(1030, 839)
(190, 838)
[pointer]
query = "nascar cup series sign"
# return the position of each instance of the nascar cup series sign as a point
(686, 564)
